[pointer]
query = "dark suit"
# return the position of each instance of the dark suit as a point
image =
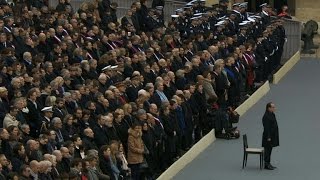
(100, 135)
(132, 93)
(63, 166)
(4, 108)
(270, 131)
(58, 113)
(156, 99)
(88, 143)
(33, 118)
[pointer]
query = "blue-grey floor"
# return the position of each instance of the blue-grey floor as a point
(297, 99)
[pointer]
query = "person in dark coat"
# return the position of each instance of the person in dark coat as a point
(63, 166)
(5, 147)
(100, 135)
(270, 137)
(171, 129)
(33, 117)
(201, 105)
(19, 157)
(88, 140)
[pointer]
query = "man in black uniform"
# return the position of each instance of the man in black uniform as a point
(223, 7)
(236, 11)
(243, 11)
(193, 27)
(261, 59)
(265, 17)
(270, 137)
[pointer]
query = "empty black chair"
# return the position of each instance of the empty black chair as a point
(247, 150)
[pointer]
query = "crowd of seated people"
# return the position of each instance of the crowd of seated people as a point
(87, 95)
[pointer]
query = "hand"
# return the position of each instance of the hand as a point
(269, 139)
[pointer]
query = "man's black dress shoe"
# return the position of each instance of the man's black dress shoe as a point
(273, 166)
(269, 167)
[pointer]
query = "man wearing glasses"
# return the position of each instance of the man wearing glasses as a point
(270, 136)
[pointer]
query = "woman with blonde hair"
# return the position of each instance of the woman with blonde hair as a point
(77, 56)
(127, 110)
(50, 101)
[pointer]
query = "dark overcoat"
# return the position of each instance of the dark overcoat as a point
(270, 130)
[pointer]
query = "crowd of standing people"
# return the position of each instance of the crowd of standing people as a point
(87, 95)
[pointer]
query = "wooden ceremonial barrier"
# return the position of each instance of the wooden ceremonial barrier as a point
(286, 68)
(188, 156)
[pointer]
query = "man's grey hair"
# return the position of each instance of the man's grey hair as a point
(55, 120)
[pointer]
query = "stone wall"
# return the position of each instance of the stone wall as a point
(307, 9)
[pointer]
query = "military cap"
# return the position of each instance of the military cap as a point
(47, 109)
(235, 4)
(243, 5)
(106, 68)
(114, 67)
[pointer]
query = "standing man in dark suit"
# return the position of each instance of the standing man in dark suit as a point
(270, 136)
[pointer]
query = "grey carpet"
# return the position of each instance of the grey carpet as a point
(297, 98)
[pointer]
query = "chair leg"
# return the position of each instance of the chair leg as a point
(263, 159)
(244, 156)
(245, 164)
(260, 161)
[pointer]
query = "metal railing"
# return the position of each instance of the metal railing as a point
(293, 44)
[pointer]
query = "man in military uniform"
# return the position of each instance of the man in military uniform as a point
(201, 6)
(232, 25)
(281, 37)
(269, 46)
(261, 60)
(219, 31)
(242, 35)
(236, 11)
(212, 16)
(223, 7)
(46, 118)
(265, 17)
(243, 11)
(193, 27)
(152, 21)
(206, 25)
